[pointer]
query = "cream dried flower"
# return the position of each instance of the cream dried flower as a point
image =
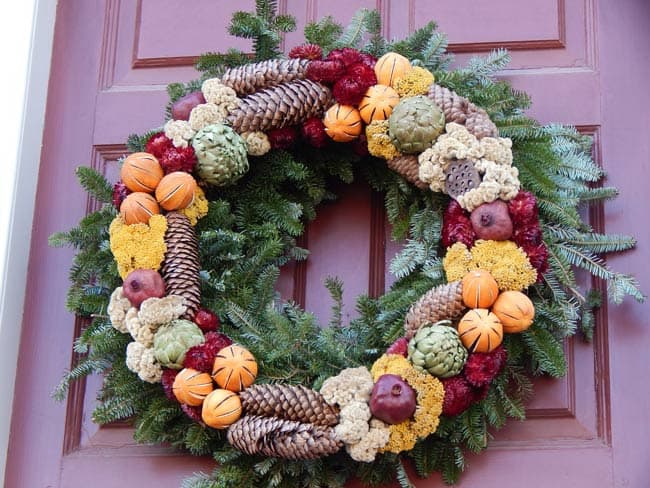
(158, 311)
(353, 422)
(141, 333)
(376, 438)
(351, 384)
(257, 143)
(117, 308)
(141, 360)
(179, 131)
(219, 94)
(207, 114)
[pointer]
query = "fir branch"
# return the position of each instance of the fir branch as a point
(323, 33)
(546, 351)
(335, 287)
(353, 34)
(95, 183)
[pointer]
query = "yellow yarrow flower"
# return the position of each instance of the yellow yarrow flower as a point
(507, 263)
(198, 208)
(380, 144)
(415, 82)
(138, 246)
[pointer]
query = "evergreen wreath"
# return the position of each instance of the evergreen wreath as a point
(485, 292)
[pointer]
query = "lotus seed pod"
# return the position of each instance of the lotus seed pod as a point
(415, 124)
(438, 350)
(173, 340)
(221, 155)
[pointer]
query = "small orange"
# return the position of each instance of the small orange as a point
(343, 123)
(138, 207)
(221, 408)
(234, 368)
(192, 386)
(141, 171)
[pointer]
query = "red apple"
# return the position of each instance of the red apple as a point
(182, 107)
(141, 284)
(207, 320)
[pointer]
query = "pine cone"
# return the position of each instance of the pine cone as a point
(280, 106)
(409, 168)
(460, 110)
(181, 267)
(287, 439)
(288, 403)
(250, 78)
(443, 302)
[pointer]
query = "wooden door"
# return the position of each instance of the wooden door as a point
(584, 62)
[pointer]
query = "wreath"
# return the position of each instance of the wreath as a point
(177, 269)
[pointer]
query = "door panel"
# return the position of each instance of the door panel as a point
(111, 63)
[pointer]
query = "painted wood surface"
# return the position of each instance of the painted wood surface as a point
(584, 62)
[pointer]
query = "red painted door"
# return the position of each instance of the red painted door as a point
(584, 62)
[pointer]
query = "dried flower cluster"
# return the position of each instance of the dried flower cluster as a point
(491, 156)
(138, 246)
(430, 394)
(507, 263)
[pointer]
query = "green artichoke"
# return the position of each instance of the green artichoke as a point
(221, 155)
(438, 350)
(415, 124)
(172, 341)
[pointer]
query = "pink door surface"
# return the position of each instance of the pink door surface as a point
(584, 62)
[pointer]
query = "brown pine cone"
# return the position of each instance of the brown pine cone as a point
(288, 402)
(286, 104)
(250, 78)
(181, 266)
(460, 110)
(286, 439)
(409, 168)
(443, 302)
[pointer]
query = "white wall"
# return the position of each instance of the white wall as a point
(26, 35)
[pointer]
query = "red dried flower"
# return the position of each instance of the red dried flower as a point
(458, 395)
(400, 346)
(282, 138)
(346, 55)
(325, 71)
(523, 208)
(168, 377)
(527, 234)
(457, 226)
(178, 159)
(120, 191)
(349, 90)
(313, 132)
(201, 357)
(192, 412)
(481, 368)
(307, 51)
(363, 73)
(538, 257)
(158, 144)
(369, 60)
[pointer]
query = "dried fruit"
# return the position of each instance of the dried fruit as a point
(392, 399)
(141, 284)
(491, 221)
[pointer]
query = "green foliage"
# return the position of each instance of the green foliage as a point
(251, 231)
